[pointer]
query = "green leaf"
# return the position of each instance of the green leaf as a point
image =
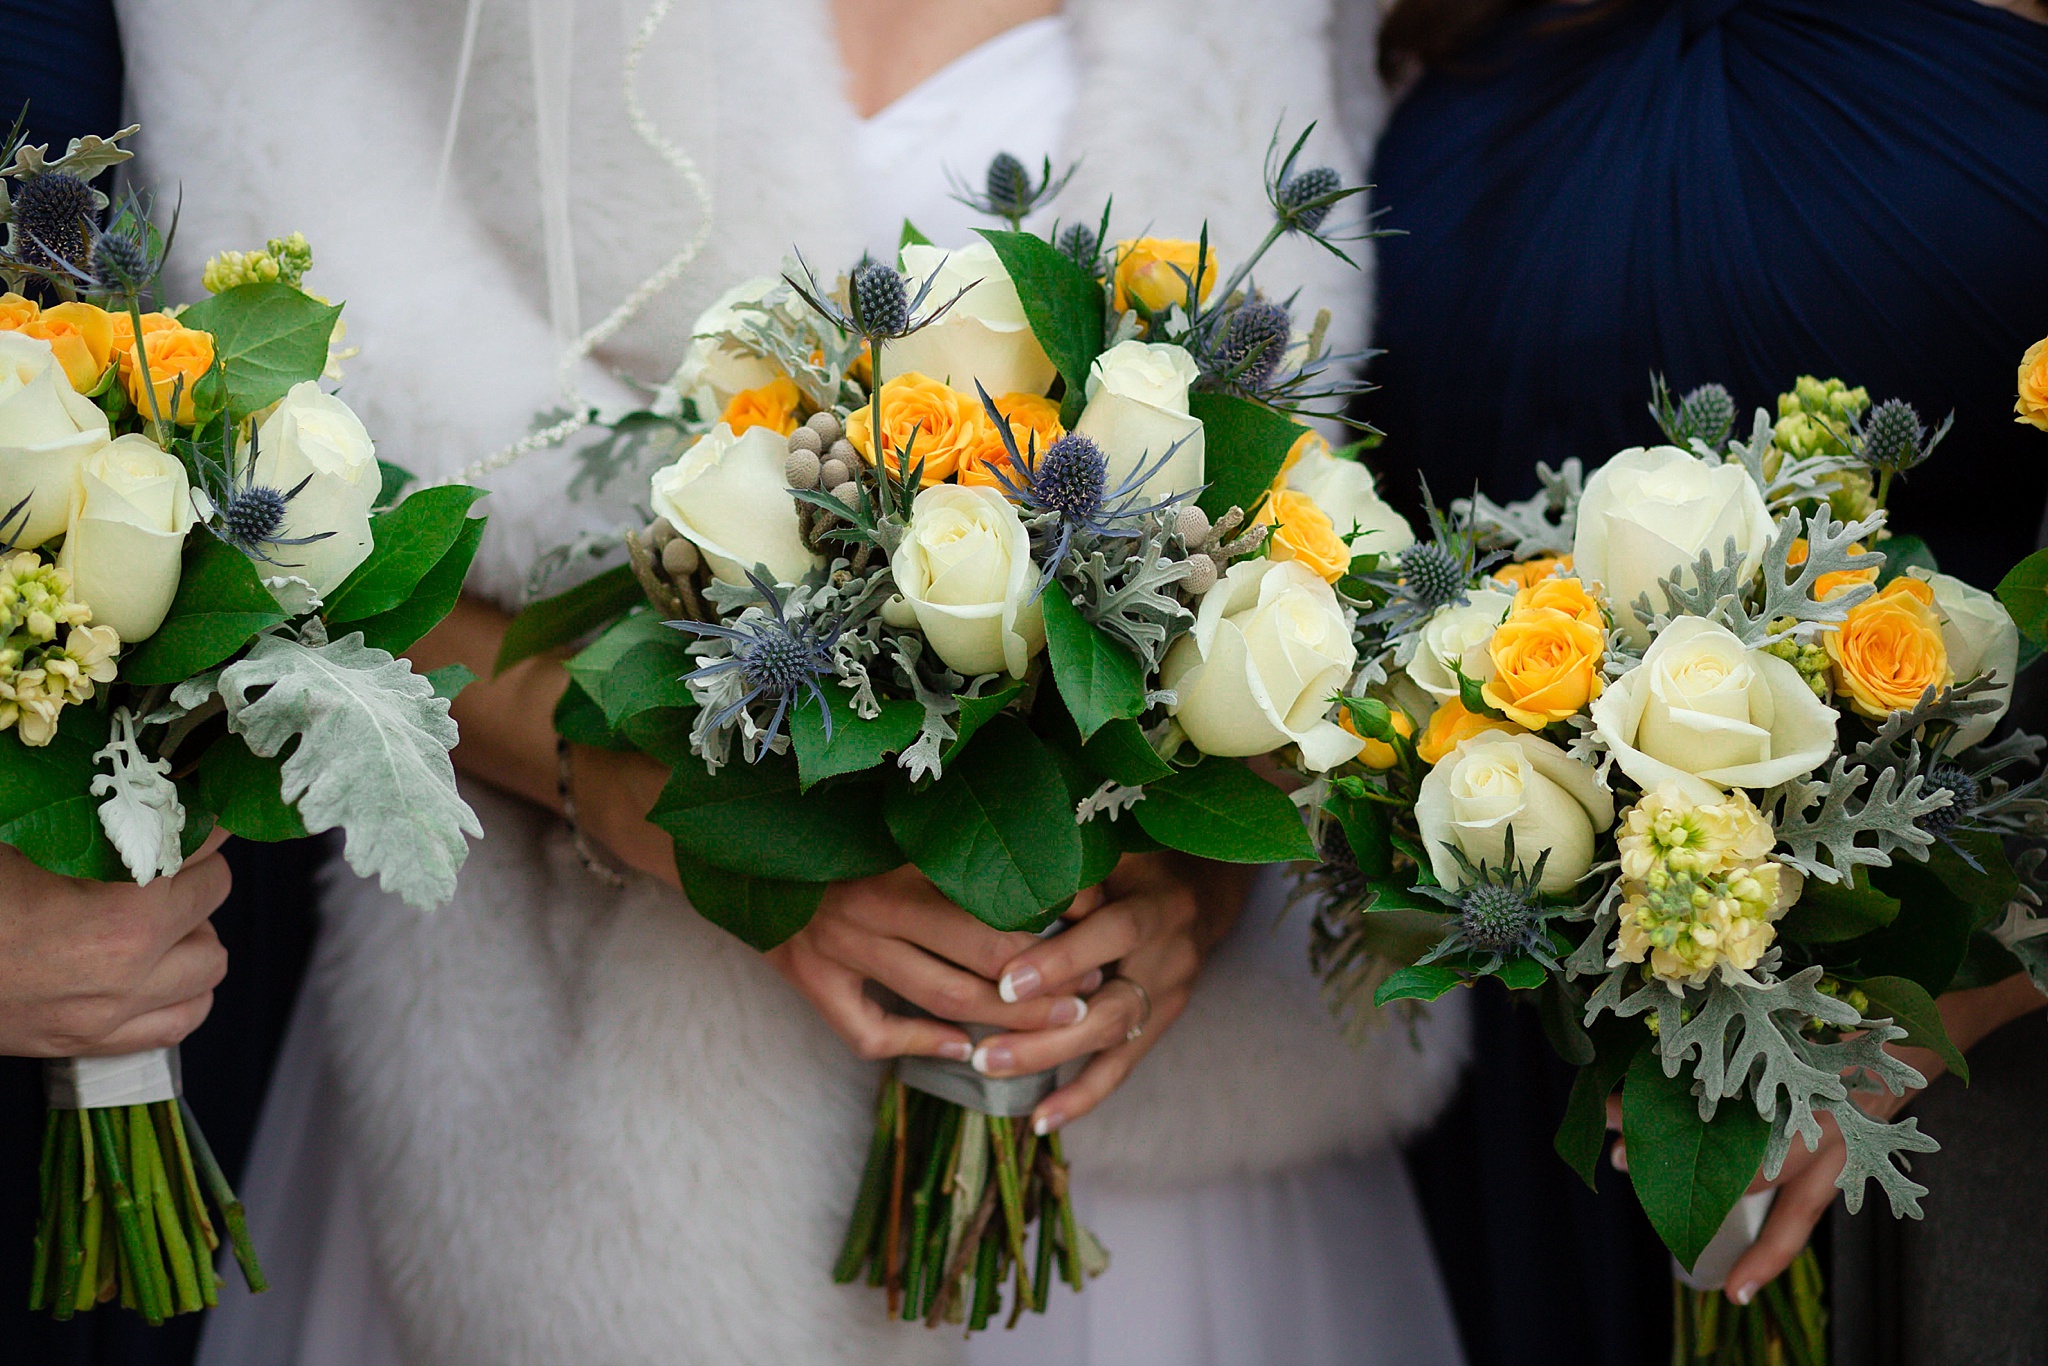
(1901, 553)
(995, 832)
(646, 678)
(580, 721)
(1583, 1132)
(760, 911)
(220, 605)
(433, 597)
(567, 617)
(1367, 830)
(2024, 591)
(408, 541)
(1244, 445)
(1927, 940)
(1099, 680)
(1119, 750)
(1829, 912)
(911, 237)
(974, 713)
(391, 482)
(246, 792)
(1906, 1004)
(1220, 809)
(267, 337)
(1423, 983)
(857, 744)
(47, 809)
(1101, 845)
(1990, 886)
(1521, 974)
(1062, 302)
(1986, 962)
(449, 680)
(1687, 1172)
(593, 664)
(752, 819)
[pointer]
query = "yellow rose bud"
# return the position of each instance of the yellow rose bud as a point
(2032, 404)
(1306, 533)
(773, 406)
(1034, 424)
(1546, 655)
(1827, 584)
(1529, 573)
(1156, 271)
(940, 426)
(178, 358)
(80, 336)
(1889, 650)
(1452, 725)
(1378, 753)
(16, 310)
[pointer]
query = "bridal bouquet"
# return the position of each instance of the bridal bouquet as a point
(995, 562)
(1698, 752)
(205, 576)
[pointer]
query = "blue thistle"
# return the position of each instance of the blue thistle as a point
(1248, 352)
(1891, 438)
(1430, 574)
(1081, 244)
(1008, 191)
(1500, 912)
(777, 659)
(1306, 198)
(247, 515)
(879, 306)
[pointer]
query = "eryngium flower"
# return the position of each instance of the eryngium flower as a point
(53, 220)
(772, 658)
(1892, 437)
(1254, 339)
(1305, 199)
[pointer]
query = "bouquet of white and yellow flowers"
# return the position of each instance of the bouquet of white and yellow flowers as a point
(1698, 753)
(206, 576)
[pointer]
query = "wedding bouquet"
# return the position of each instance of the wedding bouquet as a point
(205, 577)
(996, 564)
(1698, 752)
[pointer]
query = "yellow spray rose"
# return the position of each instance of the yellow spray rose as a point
(2032, 404)
(1827, 584)
(773, 406)
(1529, 573)
(1378, 753)
(178, 358)
(1155, 271)
(124, 334)
(1452, 725)
(1306, 533)
(1034, 424)
(80, 336)
(1889, 650)
(16, 310)
(941, 426)
(1546, 655)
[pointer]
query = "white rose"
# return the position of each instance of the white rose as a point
(1647, 514)
(1493, 783)
(1138, 408)
(1270, 649)
(1344, 490)
(1981, 639)
(46, 430)
(125, 543)
(729, 498)
(1707, 714)
(1457, 632)
(984, 338)
(313, 437)
(716, 366)
(965, 569)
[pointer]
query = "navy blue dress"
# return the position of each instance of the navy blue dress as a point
(1731, 190)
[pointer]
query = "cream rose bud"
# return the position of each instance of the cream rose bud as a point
(1270, 649)
(1344, 490)
(46, 430)
(313, 438)
(1705, 713)
(983, 338)
(965, 569)
(125, 543)
(729, 498)
(1647, 514)
(1138, 408)
(1456, 632)
(716, 366)
(1981, 639)
(1493, 783)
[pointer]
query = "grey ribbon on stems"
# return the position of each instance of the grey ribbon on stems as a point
(105, 1083)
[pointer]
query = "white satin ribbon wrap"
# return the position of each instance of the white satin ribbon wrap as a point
(104, 1083)
(1735, 1236)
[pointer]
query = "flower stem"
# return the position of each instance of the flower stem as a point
(224, 1197)
(1002, 1133)
(68, 1254)
(1884, 487)
(1070, 1233)
(892, 1280)
(867, 1205)
(127, 1220)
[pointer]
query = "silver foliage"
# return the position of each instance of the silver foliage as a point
(1784, 606)
(1789, 478)
(1832, 825)
(1127, 587)
(1529, 527)
(142, 815)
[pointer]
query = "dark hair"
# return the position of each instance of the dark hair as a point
(1436, 32)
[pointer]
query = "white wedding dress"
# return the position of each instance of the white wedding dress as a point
(554, 1123)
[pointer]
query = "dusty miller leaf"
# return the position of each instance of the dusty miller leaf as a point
(1529, 527)
(1795, 478)
(372, 756)
(142, 815)
(1126, 587)
(1828, 841)
(1719, 588)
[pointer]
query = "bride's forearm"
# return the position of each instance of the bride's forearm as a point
(507, 719)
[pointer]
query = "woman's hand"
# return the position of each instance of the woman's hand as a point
(1160, 917)
(105, 968)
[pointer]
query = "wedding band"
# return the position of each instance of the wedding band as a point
(1137, 1031)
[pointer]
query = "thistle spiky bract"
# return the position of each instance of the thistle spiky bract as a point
(1500, 911)
(246, 515)
(1428, 575)
(772, 656)
(1008, 191)
(1706, 414)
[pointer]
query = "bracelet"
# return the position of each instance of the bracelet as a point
(565, 788)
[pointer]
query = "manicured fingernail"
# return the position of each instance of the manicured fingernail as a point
(1618, 1158)
(1045, 1124)
(1019, 984)
(1067, 1010)
(992, 1058)
(1743, 1293)
(959, 1050)
(1092, 982)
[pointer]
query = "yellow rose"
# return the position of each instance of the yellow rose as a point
(1567, 595)
(178, 358)
(1826, 585)
(1890, 649)
(1546, 655)
(1309, 440)
(773, 406)
(2032, 404)
(123, 327)
(1378, 753)
(1034, 423)
(1155, 271)
(80, 336)
(1451, 725)
(1529, 573)
(1306, 533)
(15, 310)
(941, 426)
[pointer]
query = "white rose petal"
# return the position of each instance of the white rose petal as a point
(46, 431)
(1460, 632)
(1981, 639)
(1344, 490)
(1138, 410)
(1705, 713)
(1493, 783)
(728, 497)
(717, 364)
(982, 339)
(313, 437)
(965, 568)
(1647, 514)
(125, 545)
(1270, 649)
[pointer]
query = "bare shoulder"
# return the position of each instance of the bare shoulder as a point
(2036, 10)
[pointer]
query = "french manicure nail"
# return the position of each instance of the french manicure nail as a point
(1067, 1011)
(1018, 985)
(1092, 982)
(1045, 1124)
(992, 1058)
(959, 1050)
(1743, 1293)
